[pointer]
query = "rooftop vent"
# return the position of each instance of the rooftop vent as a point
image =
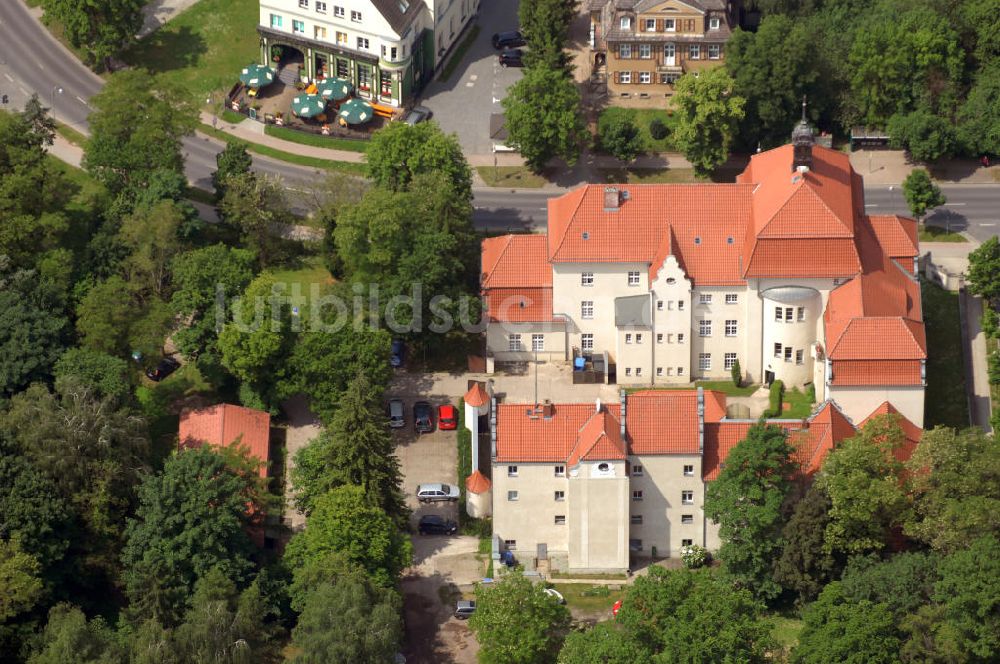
(586, 235)
(612, 198)
(729, 240)
(697, 240)
(598, 404)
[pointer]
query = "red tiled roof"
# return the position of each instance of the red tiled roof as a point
(515, 261)
(476, 396)
(662, 422)
(721, 437)
(600, 439)
(911, 432)
(477, 483)
(876, 372)
(225, 424)
(528, 438)
(519, 305)
(802, 258)
(878, 338)
(715, 405)
(896, 235)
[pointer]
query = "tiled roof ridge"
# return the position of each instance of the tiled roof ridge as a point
(570, 216)
(577, 454)
(805, 184)
(904, 320)
(488, 275)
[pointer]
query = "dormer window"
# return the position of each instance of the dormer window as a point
(626, 23)
(713, 23)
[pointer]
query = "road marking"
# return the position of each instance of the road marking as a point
(81, 100)
(8, 77)
(24, 91)
(470, 84)
(953, 204)
(496, 101)
(990, 225)
(474, 77)
(867, 205)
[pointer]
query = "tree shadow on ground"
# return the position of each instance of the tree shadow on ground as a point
(167, 50)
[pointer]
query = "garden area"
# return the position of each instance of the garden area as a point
(653, 125)
(945, 401)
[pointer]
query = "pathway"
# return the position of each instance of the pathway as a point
(158, 12)
(302, 427)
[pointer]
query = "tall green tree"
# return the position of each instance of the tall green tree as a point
(349, 620)
(805, 566)
(543, 119)
(604, 643)
(746, 502)
(837, 630)
(101, 29)
(863, 479)
(355, 448)
(708, 114)
(136, 129)
(620, 138)
(979, 118)
(401, 151)
(921, 193)
(254, 205)
(20, 580)
(902, 583)
(191, 518)
(983, 17)
(984, 270)
(70, 637)
(924, 134)
(233, 161)
(345, 521)
(152, 237)
(516, 622)
(545, 26)
(671, 612)
(968, 595)
(33, 328)
(108, 376)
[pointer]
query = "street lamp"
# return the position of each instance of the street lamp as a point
(52, 98)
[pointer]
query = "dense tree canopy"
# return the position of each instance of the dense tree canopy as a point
(400, 152)
(108, 376)
(837, 630)
(542, 116)
(984, 270)
(921, 193)
(32, 333)
(99, 28)
(707, 116)
(605, 643)
(805, 566)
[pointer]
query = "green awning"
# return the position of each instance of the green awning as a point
(257, 76)
(334, 89)
(355, 111)
(307, 106)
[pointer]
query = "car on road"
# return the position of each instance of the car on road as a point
(397, 353)
(417, 115)
(447, 417)
(464, 608)
(513, 57)
(435, 524)
(556, 595)
(507, 39)
(423, 417)
(436, 493)
(397, 414)
(167, 366)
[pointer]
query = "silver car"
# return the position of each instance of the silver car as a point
(436, 493)
(418, 114)
(397, 416)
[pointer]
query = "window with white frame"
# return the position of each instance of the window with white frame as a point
(560, 471)
(694, 51)
(680, 337)
(319, 32)
(276, 21)
(638, 337)
(560, 496)
(638, 371)
(637, 470)
(635, 545)
(512, 496)
(628, 337)
(669, 24)
(363, 43)
(705, 298)
(788, 314)
(587, 309)
(625, 23)
(338, 12)
(729, 361)
(537, 342)
(670, 305)
(510, 545)
(299, 27)
(688, 470)
(356, 16)
(342, 64)
(670, 370)
(586, 342)
(668, 78)
(321, 7)
(511, 471)
(714, 51)
(800, 314)
(624, 51)
(788, 353)
(628, 371)
(705, 361)
(659, 337)
(687, 497)
(778, 316)
(633, 278)
(304, 4)
(625, 77)
(650, 25)
(705, 327)
(713, 23)
(635, 519)
(637, 496)
(730, 328)
(680, 371)
(687, 542)
(670, 337)
(687, 519)
(731, 298)
(799, 357)
(659, 305)
(680, 305)
(645, 77)
(645, 51)
(514, 343)
(560, 520)
(586, 278)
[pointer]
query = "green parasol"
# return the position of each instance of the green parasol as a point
(307, 106)
(334, 88)
(257, 76)
(355, 111)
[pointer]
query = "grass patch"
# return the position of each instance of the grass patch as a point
(317, 141)
(459, 53)
(204, 48)
(72, 135)
(944, 403)
(582, 597)
(231, 116)
(786, 631)
(938, 234)
(514, 177)
(800, 404)
(300, 160)
(308, 272)
(724, 386)
(649, 175)
(642, 118)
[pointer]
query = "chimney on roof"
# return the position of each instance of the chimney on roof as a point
(598, 404)
(612, 198)
(802, 143)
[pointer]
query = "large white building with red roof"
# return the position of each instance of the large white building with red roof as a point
(782, 271)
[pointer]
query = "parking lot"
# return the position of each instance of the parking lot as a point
(464, 102)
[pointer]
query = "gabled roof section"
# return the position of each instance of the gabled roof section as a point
(477, 483)
(879, 338)
(519, 305)
(911, 432)
(476, 396)
(825, 429)
(398, 13)
(225, 424)
(599, 440)
(515, 261)
(895, 234)
(662, 422)
(525, 436)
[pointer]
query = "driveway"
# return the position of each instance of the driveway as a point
(464, 102)
(302, 428)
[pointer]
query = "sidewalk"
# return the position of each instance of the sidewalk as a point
(892, 167)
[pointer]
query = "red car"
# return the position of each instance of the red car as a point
(447, 417)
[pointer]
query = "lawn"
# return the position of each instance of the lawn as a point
(582, 597)
(800, 404)
(515, 177)
(724, 386)
(316, 140)
(351, 168)
(938, 234)
(70, 134)
(310, 270)
(204, 48)
(944, 402)
(786, 631)
(642, 117)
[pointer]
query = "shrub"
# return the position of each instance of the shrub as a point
(774, 399)
(620, 138)
(695, 556)
(657, 129)
(991, 324)
(993, 368)
(737, 373)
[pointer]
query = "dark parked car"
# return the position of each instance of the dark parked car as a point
(465, 608)
(398, 353)
(423, 417)
(508, 39)
(433, 524)
(167, 366)
(418, 114)
(513, 57)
